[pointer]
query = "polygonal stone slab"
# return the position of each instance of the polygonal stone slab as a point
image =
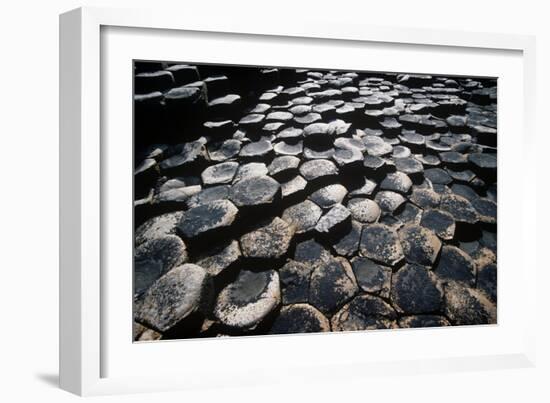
(467, 306)
(220, 258)
(293, 187)
(329, 196)
(209, 195)
(179, 293)
(300, 318)
(283, 148)
(460, 208)
(336, 218)
(207, 217)
(420, 245)
(415, 290)
(154, 257)
(219, 173)
(425, 198)
(364, 210)
(270, 240)
(409, 165)
(303, 216)
(348, 244)
(295, 281)
(257, 149)
(364, 312)
(317, 169)
(332, 284)
(255, 192)
(397, 182)
(389, 201)
(372, 277)
(440, 222)
(486, 209)
(157, 227)
(250, 170)
(283, 165)
(244, 303)
(380, 243)
(456, 265)
(438, 175)
(487, 281)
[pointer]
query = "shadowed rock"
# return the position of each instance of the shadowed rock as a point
(257, 149)
(293, 187)
(283, 166)
(157, 227)
(295, 281)
(460, 208)
(204, 218)
(220, 258)
(338, 217)
(467, 306)
(486, 209)
(389, 201)
(332, 284)
(300, 318)
(219, 173)
(269, 241)
(154, 257)
(310, 252)
(420, 245)
(487, 281)
(381, 243)
(348, 243)
(372, 277)
(423, 321)
(397, 182)
(255, 192)
(440, 222)
(303, 216)
(209, 195)
(409, 166)
(244, 303)
(454, 264)
(365, 312)
(181, 292)
(415, 290)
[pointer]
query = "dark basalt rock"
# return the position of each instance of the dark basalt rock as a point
(175, 296)
(401, 152)
(348, 158)
(209, 195)
(373, 164)
(486, 209)
(219, 129)
(293, 187)
(329, 196)
(312, 153)
(282, 166)
(299, 318)
(456, 265)
(334, 220)
(372, 277)
(440, 222)
(252, 120)
(307, 119)
(255, 192)
(247, 301)
(183, 73)
(416, 290)
(420, 245)
(377, 147)
(380, 243)
(487, 281)
(397, 182)
(303, 216)
(483, 161)
(283, 148)
(205, 218)
(157, 227)
(146, 83)
(423, 321)
(438, 176)
(256, 150)
(409, 166)
(224, 151)
(467, 306)
(389, 201)
(364, 210)
(460, 208)
(188, 154)
(250, 170)
(365, 312)
(348, 244)
(156, 256)
(269, 241)
(332, 284)
(317, 169)
(290, 133)
(295, 281)
(220, 258)
(219, 173)
(362, 188)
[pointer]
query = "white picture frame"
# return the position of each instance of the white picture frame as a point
(84, 340)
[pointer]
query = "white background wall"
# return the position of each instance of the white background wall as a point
(29, 197)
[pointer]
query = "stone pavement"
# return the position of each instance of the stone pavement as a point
(273, 201)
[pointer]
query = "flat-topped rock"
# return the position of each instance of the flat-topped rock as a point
(207, 217)
(317, 169)
(376, 146)
(416, 290)
(207, 195)
(336, 218)
(156, 256)
(188, 153)
(365, 312)
(282, 166)
(255, 192)
(332, 284)
(219, 173)
(308, 118)
(460, 208)
(329, 196)
(366, 188)
(157, 227)
(409, 165)
(364, 210)
(467, 306)
(440, 222)
(220, 258)
(300, 318)
(252, 120)
(456, 265)
(284, 148)
(250, 170)
(303, 216)
(279, 116)
(268, 241)
(348, 158)
(486, 209)
(438, 176)
(420, 245)
(175, 296)
(225, 150)
(247, 301)
(295, 281)
(389, 201)
(381, 243)
(256, 149)
(292, 133)
(348, 243)
(372, 277)
(293, 187)
(425, 198)
(397, 182)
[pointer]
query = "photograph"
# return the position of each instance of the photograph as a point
(285, 200)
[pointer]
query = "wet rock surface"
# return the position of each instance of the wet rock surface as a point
(276, 201)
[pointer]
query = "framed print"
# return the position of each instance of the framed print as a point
(231, 194)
